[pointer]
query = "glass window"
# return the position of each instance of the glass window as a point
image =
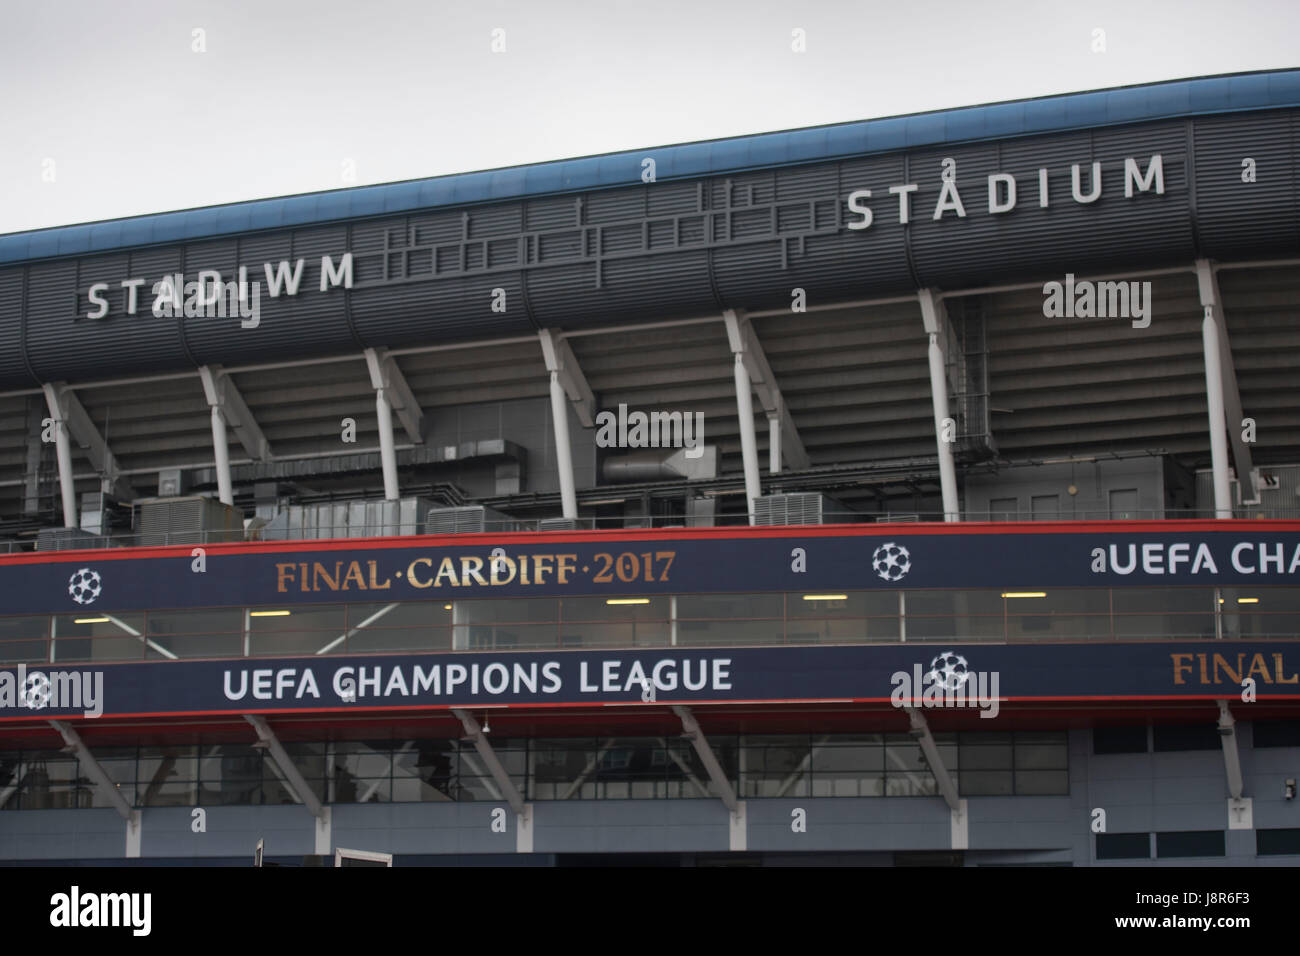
(849, 766)
(1276, 733)
(1165, 738)
(1190, 843)
(1123, 846)
(1279, 842)
(1120, 740)
(777, 766)
(907, 774)
(23, 639)
(215, 632)
(92, 636)
(45, 780)
(167, 776)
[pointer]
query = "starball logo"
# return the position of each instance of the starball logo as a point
(948, 683)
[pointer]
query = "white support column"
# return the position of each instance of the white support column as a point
(748, 439)
(1242, 460)
(936, 323)
(387, 448)
(221, 452)
(1240, 809)
(107, 788)
(774, 444)
(1212, 338)
(64, 452)
(563, 450)
(1214, 402)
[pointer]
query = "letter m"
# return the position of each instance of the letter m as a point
(329, 277)
(122, 909)
(1155, 171)
(65, 689)
(1112, 300)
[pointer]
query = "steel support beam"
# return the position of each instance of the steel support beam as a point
(387, 375)
(935, 318)
(287, 767)
(692, 732)
(220, 391)
(1231, 758)
(67, 484)
(920, 732)
(474, 733)
(73, 421)
(560, 360)
(1222, 392)
(744, 340)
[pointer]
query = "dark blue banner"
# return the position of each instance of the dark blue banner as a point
(1245, 553)
(982, 676)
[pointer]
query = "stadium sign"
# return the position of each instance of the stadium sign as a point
(883, 674)
(1003, 191)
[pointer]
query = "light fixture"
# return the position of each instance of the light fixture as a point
(1288, 789)
(90, 620)
(825, 597)
(1247, 600)
(269, 613)
(627, 600)
(1024, 594)
(487, 723)
(446, 607)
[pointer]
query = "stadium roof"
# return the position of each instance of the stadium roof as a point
(1074, 111)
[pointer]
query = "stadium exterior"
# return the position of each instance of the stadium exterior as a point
(435, 520)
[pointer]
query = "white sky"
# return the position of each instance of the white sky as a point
(288, 91)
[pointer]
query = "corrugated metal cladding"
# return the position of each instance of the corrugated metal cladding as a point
(682, 248)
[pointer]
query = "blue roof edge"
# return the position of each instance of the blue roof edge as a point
(1071, 111)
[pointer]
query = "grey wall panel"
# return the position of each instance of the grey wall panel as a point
(1236, 218)
(13, 368)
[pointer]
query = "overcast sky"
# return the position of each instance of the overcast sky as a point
(110, 109)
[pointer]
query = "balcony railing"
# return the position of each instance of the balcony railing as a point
(199, 537)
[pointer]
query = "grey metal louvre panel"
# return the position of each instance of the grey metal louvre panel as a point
(63, 344)
(190, 520)
(12, 366)
(68, 539)
(798, 240)
(662, 286)
(445, 309)
(798, 508)
(557, 524)
(466, 520)
(1237, 219)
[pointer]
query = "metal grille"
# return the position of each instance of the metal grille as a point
(806, 508)
(466, 520)
(193, 520)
